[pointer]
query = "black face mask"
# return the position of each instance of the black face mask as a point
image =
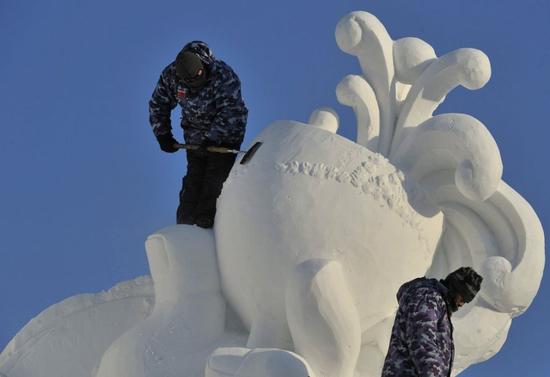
(451, 301)
(191, 70)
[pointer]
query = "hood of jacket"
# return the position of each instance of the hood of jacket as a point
(423, 283)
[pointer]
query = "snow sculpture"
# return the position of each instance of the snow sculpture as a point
(315, 234)
(188, 321)
(455, 159)
(69, 338)
(330, 213)
(318, 231)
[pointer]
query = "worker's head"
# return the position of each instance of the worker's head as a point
(463, 285)
(193, 64)
(190, 70)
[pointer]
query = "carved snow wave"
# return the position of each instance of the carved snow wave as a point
(454, 159)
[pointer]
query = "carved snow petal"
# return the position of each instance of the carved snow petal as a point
(362, 35)
(467, 67)
(411, 57)
(453, 141)
(355, 91)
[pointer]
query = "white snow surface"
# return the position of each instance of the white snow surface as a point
(69, 338)
(312, 239)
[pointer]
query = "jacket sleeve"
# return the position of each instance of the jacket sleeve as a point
(228, 126)
(161, 104)
(426, 347)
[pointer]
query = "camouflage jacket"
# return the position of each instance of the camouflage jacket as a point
(421, 343)
(215, 115)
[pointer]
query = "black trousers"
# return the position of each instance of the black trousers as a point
(201, 186)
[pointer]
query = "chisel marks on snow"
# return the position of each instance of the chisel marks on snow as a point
(375, 177)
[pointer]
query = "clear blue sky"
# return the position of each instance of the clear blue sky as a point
(83, 181)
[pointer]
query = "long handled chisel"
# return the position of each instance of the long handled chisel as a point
(247, 154)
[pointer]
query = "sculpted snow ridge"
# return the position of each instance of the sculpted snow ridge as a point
(140, 287)
(77, 325)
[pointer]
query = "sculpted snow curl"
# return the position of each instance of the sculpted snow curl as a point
(456, 160)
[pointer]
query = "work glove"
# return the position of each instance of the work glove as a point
(166, 142)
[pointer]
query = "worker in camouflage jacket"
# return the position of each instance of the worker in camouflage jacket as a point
(213, 114)
(421, 343)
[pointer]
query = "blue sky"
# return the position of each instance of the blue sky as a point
(83, 181)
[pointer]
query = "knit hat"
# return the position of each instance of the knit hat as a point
(464, 281)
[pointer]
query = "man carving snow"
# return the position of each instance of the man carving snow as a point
(213, 114)
(421, 343)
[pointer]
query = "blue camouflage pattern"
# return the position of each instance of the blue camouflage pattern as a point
(421, 343)
(214, 115)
